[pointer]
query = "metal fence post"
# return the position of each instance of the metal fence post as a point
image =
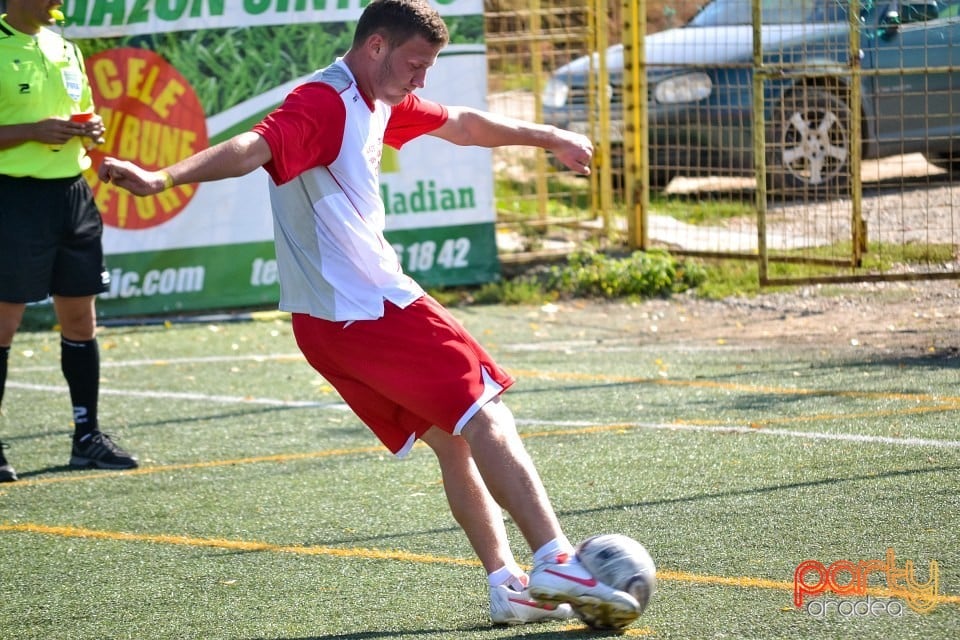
(636, 139)
(857, 224)
(759, 137)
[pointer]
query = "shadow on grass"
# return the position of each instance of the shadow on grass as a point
(250, 412)
(60, 468)
(551, 634)
(824, 482)
(944, 357)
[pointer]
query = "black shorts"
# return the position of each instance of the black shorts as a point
(50, 240)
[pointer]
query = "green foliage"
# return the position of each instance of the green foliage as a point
(227, 66)
(230, 65)
(656, 273)
(702, 211)
(465, 29)
(589, 274)
(725, 278)
(642, 274)
(522, 290)
(518, 198)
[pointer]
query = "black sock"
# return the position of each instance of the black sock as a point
(4, 358)
(80, 363)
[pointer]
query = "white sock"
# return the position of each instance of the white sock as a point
(556, 547)
(510, 575)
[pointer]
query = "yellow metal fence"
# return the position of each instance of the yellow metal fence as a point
(822, 138)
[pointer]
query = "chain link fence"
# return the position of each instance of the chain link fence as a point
(809, 132)
(544, 210)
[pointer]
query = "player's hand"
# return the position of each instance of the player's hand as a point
(574, 150)
(131, 177)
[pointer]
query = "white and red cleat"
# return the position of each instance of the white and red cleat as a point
(509, 606)
(565, 580)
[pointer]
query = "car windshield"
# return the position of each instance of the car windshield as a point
(739, 12)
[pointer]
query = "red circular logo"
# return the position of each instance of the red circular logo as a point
(153, 118)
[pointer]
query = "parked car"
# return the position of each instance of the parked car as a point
(700, 79)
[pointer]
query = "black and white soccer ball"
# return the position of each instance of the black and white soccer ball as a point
(622, 563)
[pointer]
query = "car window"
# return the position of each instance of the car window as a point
(739, 12)
(920, 10)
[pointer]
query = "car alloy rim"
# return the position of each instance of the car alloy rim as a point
(815, 146)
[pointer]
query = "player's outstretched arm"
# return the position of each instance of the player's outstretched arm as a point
(467, 126)
(235, 157)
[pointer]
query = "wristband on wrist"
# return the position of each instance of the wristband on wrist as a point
(167, 179)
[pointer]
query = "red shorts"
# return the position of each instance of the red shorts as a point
(412, 369)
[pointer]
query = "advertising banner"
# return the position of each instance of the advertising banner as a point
(171, 77)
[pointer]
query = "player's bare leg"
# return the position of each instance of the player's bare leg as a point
(510, 476)
(471, 504)
(482, 520)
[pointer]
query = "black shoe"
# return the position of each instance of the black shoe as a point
(98, 450)
(7, 474)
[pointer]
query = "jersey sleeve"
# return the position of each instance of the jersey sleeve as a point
(413, 117)
(305, 131)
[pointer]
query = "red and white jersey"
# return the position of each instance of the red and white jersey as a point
(326, 140)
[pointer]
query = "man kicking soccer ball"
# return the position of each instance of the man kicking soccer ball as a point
(401, 361)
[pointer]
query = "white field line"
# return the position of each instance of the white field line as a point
(660, 426)
(783, 433)
(160, 362)
(177, 395)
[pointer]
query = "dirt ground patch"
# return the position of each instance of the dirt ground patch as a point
(896, 319)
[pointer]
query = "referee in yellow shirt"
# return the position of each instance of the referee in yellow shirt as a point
(50, 227)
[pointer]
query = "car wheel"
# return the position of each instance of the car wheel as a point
(808, 148)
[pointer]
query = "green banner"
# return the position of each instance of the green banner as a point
(181, 281)
(171, 78)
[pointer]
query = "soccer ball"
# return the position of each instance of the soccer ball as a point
(622, 563)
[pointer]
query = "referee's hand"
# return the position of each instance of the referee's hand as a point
(57, 130)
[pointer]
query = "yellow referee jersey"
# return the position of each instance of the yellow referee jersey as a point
(41, 76)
